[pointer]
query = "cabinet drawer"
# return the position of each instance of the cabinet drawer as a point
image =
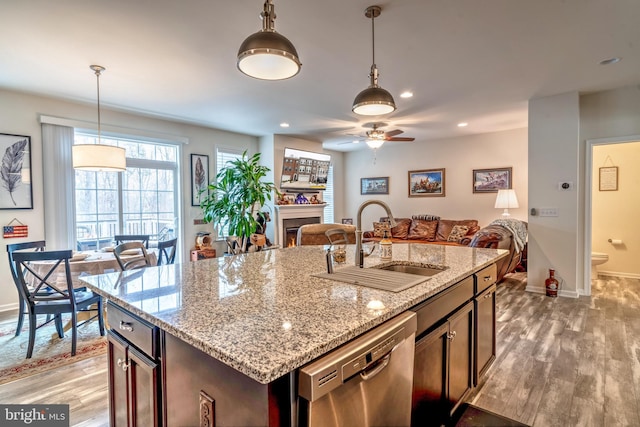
(437, 308)
(485, 278)
(137, 331)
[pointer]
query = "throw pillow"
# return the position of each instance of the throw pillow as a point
(423, 230)
(426, 217)
(379, 228)
(457, 233)
(401, 230)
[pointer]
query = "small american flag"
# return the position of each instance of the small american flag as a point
(10, 231)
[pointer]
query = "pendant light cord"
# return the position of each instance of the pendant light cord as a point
(373, 39)
(98, 71)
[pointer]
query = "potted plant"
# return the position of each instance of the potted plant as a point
(235, 198)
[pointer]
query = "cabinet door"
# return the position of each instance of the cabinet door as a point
(485, 339)
(430, 379)
(118, 381)
(144, 389)
(460, 346)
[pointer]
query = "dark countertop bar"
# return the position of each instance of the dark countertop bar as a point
(264, 314)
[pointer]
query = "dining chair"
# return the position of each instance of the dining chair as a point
(138, 260)
(124, 238)
(167, 251)
(51, 295)
(36, 246)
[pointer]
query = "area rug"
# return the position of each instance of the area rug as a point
(49, 352)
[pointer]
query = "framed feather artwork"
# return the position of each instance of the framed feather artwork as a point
(15, 172)
(199, 177)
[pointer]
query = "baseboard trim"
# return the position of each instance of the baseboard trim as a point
(8, 307)
(561, 293)
(617, 274)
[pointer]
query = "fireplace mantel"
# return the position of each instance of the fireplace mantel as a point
(295, 211)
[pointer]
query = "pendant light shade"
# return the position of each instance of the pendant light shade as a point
(374, 100)
(374, 143)
(268, 55)
(99, 157)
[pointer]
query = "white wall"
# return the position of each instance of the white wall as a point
(615, 214)
(459, 156)
(19, 114)
(559, 128)
(553, 158)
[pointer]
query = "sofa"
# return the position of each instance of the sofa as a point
(425, 229)
(314, 234)
(509, 234)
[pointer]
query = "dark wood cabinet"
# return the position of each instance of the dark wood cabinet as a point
(443, 369)
(485, 342)
(134, 375)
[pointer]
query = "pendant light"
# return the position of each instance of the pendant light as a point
(268, 55)
(374, 100)
(99, 157)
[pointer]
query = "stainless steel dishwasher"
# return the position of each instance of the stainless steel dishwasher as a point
(366, 382)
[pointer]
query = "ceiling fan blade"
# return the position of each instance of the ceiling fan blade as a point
(393, 133)
(400, 139)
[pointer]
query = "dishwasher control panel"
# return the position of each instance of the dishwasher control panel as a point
(371, 355)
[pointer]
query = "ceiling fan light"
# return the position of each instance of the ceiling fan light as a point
(374, 144)
(268, 55)
(373, 101)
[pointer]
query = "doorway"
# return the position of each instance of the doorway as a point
(610, 209)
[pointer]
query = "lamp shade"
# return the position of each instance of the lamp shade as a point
(99, 158)
(506, 200)
(374, 143)
(268, 55)
(373, 101)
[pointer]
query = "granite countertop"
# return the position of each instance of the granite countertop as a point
(264, 314)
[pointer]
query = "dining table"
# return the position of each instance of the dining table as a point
(87, 263)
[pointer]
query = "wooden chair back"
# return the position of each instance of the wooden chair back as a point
(123, 238)
(167, 251)
(134, 262)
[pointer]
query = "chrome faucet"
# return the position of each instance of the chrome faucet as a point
(392, 223)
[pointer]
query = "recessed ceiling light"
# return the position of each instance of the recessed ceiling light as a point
(609, 61)
(463, 124)
(406, 94)
(284, 125)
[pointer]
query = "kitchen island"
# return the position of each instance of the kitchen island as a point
(246, 323)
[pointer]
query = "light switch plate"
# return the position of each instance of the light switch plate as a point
(548, 212)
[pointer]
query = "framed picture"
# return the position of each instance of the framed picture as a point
(378, 185)
(15, 172)
(491, 180)
(609, 178)
(427, 183)
(348, 221)
(199, 177)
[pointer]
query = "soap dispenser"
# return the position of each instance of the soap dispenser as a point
(385, 246)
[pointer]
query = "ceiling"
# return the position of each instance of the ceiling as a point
(465, 60)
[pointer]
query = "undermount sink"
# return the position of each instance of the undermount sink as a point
(412, 269)
(393, 278)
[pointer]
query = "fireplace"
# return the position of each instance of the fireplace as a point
(284, 233)
(290, 229)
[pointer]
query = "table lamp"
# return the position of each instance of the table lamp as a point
(506, 199)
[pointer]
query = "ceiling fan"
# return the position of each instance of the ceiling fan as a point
(376, 137)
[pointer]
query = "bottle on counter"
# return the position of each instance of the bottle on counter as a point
(385, 246)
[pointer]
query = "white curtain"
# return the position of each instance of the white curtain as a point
(59, 187)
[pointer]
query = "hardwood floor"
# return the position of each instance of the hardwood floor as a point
(567, 362)
(560, 362)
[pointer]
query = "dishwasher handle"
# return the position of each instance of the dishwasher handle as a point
(382, 363)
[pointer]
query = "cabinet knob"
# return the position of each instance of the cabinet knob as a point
(487, 278)
(126, 326)
(123, 364)
(451, 335)
(487, 296)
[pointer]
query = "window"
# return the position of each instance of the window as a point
(142, 200)
(224, 155)
(327, 197)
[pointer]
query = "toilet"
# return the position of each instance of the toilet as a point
(597, 258)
